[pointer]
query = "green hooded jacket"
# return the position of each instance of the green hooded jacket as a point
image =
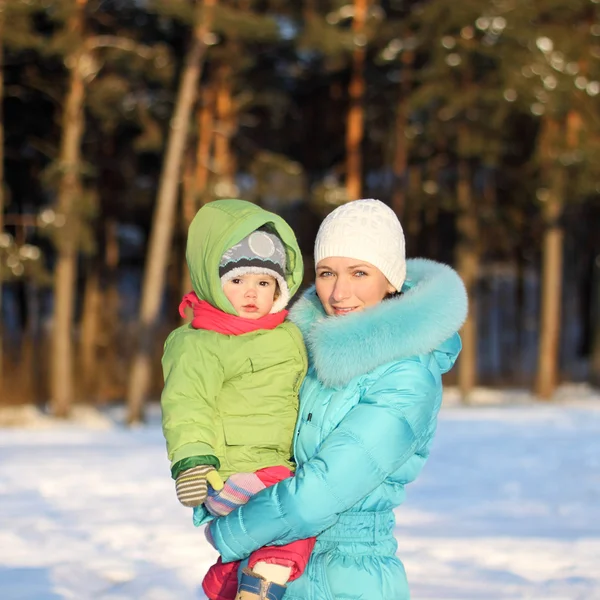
(231, 400)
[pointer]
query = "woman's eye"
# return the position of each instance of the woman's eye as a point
(360, 273)
(325, 274)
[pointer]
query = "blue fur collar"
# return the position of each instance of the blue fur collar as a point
(432, 308)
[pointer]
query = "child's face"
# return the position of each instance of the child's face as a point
(252, 295)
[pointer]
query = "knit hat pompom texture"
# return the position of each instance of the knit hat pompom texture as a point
(261, 252)
(366, 230)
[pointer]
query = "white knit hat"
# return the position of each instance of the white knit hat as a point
(366, 230)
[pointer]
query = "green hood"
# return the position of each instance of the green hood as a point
(220, 225)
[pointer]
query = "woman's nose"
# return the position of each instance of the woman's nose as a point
(341, 291)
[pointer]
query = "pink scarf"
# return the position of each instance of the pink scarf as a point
(206, 316)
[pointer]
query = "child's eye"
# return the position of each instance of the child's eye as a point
(236, 280)
(265, 283)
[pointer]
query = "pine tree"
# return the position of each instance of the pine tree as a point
(458, 113)
(239, 34)
(61, 378)
(85, 49)
(555, 75)
(164, 215)
(2, 27)
(16, 33)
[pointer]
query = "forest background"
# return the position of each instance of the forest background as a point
(477, 121)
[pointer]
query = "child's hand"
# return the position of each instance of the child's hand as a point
(192, 484)
(238, 489)
(215, 480)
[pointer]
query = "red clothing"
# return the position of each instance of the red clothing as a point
(221, 581)
(206, 316)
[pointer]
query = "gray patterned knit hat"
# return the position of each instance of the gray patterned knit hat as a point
(259, 252)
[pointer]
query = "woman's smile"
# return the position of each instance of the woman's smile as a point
(343, 310)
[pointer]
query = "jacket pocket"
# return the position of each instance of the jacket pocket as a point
(246, 431)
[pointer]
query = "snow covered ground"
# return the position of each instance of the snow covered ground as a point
(508, 508)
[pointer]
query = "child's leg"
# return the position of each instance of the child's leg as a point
(291, 560)
(271, 568)
(272, 564)
(221, 581)
(273, 572)
(280, 564)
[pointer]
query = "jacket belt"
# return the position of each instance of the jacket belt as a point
(371, 527)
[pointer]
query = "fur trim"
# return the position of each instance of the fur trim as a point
(432, 308)
(284, 293)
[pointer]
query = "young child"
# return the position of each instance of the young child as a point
(232, 377)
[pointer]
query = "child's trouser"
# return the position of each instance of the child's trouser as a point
(221, 581)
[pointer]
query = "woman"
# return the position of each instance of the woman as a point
(380, 332)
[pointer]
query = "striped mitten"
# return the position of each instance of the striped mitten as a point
(192, 484)
(238, 489)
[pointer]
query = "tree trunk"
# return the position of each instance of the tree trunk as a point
(164, 215)
(224, 163)
(188, 209)
(111, 371)
(467, 259)
(412, 212)
(206, 119)
(90, 329)
(595, 322)
(197, 176)
(2, 18)
(61, 368)
(400, 165)
(309, 10)
(552, 252)
(551, 290)
(355, 123)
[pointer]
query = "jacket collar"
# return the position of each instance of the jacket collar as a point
(431, 310)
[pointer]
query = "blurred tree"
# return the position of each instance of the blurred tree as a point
(2, 26)
(400, 162)
(128, 94)
(459, 114)
(164, 214)
(85, 52)
(555, 72)
(197, 168)
(356, 94)
(595, 322)
(335, 41)
(19, 35)
(80, 66)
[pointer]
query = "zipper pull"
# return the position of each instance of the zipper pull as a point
(309, 418)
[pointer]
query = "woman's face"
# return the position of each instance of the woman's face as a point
(346, 285)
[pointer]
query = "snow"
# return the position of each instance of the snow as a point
(508, 507)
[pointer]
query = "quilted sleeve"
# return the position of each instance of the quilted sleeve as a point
(376, 437)
(193, 379)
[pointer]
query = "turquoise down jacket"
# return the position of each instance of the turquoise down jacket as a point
(368, 412)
